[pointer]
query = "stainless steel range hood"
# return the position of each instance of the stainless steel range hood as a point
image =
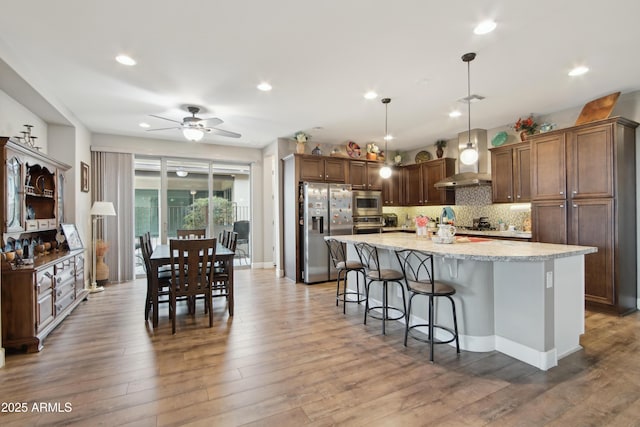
(470, 175)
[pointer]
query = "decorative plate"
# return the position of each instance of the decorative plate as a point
(499, 139)
(353, 150)
(423, 156)
(40, 184)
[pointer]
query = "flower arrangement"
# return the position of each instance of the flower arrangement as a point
(441, 143)
(101, 247)
(422, 221)
(372, 148)
(302, 137)
(527, 125)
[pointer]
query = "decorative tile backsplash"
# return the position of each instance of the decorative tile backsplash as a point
(471, 202)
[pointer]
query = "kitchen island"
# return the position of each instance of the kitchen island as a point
(520, 298)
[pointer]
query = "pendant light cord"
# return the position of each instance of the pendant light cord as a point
(386, 102)
(469, 102)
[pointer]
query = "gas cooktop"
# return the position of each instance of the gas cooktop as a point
(477, 228)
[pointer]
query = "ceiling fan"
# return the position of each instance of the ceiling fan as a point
(194, 128)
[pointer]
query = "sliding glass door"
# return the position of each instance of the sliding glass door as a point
(172, 194)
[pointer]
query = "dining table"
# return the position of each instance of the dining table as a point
(161, 256)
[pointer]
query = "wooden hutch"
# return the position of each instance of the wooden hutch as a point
(44, 281)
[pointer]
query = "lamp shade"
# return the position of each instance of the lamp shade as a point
(193, 134)
(103, 209)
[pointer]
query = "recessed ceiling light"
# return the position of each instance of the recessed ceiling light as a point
(370, 95)
(578, 71)
(485, 27)
(144, 125)
(125, 60)
(455, 113)
(265, 87)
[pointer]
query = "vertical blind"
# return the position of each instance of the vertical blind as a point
(113, 178)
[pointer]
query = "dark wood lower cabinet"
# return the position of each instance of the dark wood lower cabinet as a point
(35, 299)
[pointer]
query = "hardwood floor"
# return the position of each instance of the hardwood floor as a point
(289, 357)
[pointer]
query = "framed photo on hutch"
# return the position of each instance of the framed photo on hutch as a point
(84, 177)
(73, 237)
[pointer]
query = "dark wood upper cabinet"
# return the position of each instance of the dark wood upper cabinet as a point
(420, 179)
(392, 189)
(590, 162)
(364, 175)
(549, 169)
(326, 169)
(413, 185)
(511, 173)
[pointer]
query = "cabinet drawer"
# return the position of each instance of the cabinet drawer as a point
(64, 302)
(53, 223)
(79, 261)
(31, 225)
(62, 290)
(44, 280)
(43, 224)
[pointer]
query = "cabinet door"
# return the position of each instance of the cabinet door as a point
(592, 225)
(392, 189)
(374, 180)
(334, 170)
(502, 175)
(45, 313)
(548, 162)
(358, 175)
(311, 169)
(549, 222)
(413, 185)
(14, 204)
(522, 173)
(590, 162)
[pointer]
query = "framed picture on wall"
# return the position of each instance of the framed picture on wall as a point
(84, 177)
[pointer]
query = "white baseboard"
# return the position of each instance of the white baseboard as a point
(1, 357)
(279, 272)
(540, 359)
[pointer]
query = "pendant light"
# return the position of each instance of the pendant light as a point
(385, 171)
(469, 155)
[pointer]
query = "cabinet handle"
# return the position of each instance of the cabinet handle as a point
(562, 206)
(575, 206)
(574, 192)
(49, 275)
(508, 197)
(562, 192)
(518, 196)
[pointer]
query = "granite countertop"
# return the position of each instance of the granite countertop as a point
(477, 249)
(486, 233)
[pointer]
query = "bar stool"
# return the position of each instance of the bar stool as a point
(338, 253)
(369, 258)
(417, 268)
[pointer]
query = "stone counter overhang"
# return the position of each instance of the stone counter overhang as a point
(486, 250)
(479, 233)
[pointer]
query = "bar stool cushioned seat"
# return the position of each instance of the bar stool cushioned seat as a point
(338, 253)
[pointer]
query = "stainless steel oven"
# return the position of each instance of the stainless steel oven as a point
(367, 224)
(367, 203)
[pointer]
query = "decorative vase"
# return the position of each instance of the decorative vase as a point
(316, 151)
(300, 147)
(102, 270)
(439, 152)
(372, 156)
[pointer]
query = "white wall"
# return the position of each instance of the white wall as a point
(13, 117)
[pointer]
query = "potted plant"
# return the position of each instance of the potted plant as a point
(372, 151)
(440, 144)
(301, 139)
(526, 127)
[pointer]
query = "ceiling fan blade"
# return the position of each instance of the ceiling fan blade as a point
(174, 127)
(224, 132)
(164, 118)
(212, 121)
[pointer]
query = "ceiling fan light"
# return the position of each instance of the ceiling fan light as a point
(193, 134)
(469, 155)
(385, 172)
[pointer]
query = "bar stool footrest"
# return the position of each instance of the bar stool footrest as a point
(360, 297)
(429, 340)
(371, 312)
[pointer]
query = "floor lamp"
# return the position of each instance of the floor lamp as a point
(98, 211)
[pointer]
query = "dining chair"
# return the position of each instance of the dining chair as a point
(242, 228)
(221, 275)
(418, 271)
(375, 274)
(196, 233)
(338, 254)
(163, 278)
(192, 263)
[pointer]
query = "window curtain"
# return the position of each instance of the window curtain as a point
(112, 181)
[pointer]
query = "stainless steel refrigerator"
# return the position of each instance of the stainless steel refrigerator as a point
(327, 212)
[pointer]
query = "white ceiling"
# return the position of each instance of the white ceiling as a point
(320, 57)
